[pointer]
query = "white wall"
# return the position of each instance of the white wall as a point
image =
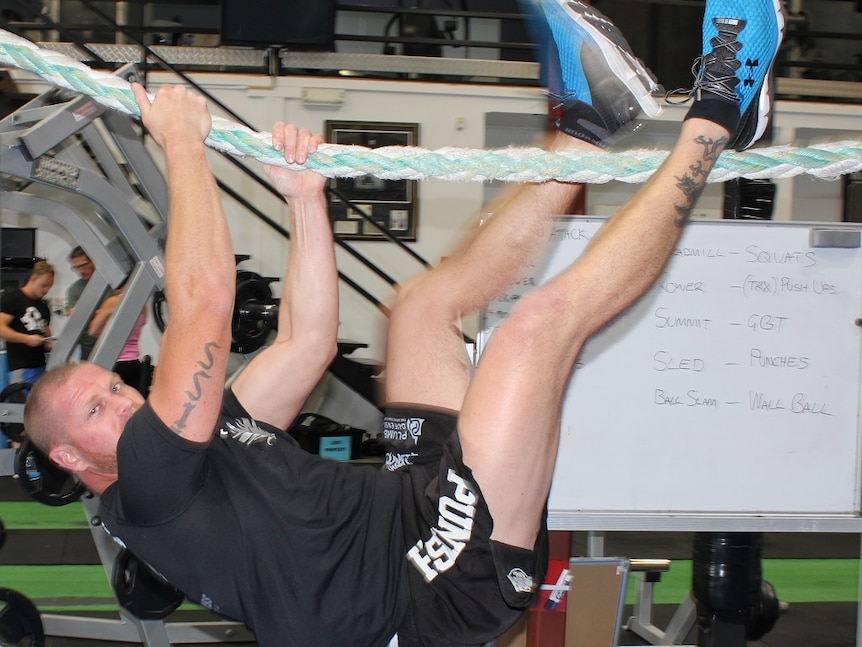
(451, 115)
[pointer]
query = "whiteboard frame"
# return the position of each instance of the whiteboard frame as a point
(740, 521)
(708, 522)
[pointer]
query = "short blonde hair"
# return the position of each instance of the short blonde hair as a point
(43, 424)
(41, 268)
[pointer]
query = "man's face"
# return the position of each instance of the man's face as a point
(40, 286)
(84, 267)
(95, 405)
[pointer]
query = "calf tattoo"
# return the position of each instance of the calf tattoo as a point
(194, 396)
(692, 184)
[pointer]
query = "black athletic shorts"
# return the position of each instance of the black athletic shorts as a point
(465, 588)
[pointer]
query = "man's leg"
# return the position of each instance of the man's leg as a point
(509, 423)
(426, 358)
(601, 88)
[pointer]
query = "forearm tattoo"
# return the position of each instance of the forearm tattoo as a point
(691, 184)
(195, 395)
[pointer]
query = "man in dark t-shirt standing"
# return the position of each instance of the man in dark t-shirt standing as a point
(25, 324)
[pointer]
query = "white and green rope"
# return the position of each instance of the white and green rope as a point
(826, 161)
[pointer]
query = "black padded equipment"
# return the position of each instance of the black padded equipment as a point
(764, 614)
(142, 592)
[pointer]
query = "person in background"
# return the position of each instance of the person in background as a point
(128, 365)
(25, 324)
(85, 267)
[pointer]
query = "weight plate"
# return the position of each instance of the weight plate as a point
(20, 622)
(42, 480)
(250, 333)
(15, 393)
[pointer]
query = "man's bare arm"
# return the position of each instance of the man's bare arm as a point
(10, 335)
(200, 270)
(278, 380)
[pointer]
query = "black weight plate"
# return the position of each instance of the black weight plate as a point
(15, 393)
(42, 480)
(20, 622)
(248, 333)
(160, 310)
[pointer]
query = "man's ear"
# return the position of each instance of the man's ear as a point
(66, 457)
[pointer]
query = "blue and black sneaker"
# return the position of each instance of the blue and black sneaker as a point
(733, 77)
(588, 66)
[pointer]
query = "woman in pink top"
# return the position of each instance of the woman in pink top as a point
(128, 366)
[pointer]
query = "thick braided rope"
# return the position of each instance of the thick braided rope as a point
(826, 161)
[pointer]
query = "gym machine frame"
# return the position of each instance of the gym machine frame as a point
(61, 155)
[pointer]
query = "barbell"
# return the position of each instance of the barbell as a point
(255, 312)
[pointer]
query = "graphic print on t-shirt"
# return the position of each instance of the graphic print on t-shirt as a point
(246, 431)
(32, 320)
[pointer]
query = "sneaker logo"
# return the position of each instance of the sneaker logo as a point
(729, 22)
(594, 129)
(750, 67)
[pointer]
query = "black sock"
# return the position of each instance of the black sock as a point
(719, 111)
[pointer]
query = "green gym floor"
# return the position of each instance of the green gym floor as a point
(50, 557)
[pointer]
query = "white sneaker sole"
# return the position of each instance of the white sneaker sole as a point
(764, 104)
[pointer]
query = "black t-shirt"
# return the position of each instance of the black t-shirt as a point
(305, 551)
(31, 317)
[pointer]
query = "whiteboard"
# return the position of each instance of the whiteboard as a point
(731, 387)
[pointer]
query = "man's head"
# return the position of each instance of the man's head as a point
(81, 263)
(40, 281)
(76, 413)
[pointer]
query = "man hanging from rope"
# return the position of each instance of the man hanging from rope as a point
(447, 546)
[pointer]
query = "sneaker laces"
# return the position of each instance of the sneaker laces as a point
(558, 99)
(714, 72)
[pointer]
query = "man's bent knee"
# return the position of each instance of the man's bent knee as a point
(421, 304)
(539, 323)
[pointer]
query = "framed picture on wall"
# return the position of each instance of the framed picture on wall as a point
(853, 197)
(364, 207)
